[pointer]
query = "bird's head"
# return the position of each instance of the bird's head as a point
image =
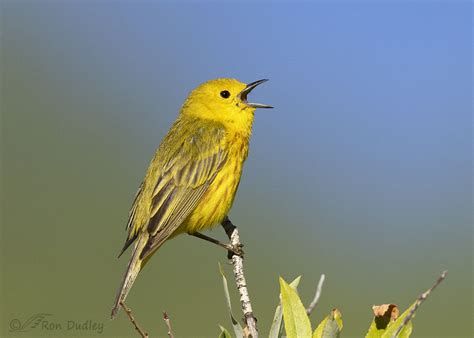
(223, 100)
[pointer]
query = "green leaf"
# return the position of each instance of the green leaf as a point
(374, 332)
(330, 327)
(276, 329)
(238, 331)
(224, 333)
(393, 327)
(297, 323)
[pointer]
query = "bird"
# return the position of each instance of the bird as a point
(192, 179)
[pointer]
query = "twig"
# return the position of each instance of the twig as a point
(315, 300)
(237, 262)
(418, 302)
(168, 324)
(132, 319)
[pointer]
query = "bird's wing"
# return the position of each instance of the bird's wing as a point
(186, 171)
(133, 231)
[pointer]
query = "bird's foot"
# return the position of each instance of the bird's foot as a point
(234, 250)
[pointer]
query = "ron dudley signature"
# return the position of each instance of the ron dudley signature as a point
(47, 322)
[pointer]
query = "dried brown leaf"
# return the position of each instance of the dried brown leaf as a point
(384, 314)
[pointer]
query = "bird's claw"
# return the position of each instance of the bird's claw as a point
(235, 250)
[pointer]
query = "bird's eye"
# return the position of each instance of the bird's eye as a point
(225, 94)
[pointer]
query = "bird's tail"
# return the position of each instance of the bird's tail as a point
(134, 267)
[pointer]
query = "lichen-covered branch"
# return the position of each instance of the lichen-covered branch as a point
(237, 262)
(419, 301)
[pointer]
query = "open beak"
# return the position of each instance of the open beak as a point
(243, 95)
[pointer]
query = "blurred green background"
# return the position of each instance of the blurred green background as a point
(361, 172)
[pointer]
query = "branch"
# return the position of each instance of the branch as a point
(237, 262)
(315, 300)
(418, 302)
(168, 324)
(132, 319)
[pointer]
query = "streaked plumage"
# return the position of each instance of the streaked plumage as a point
(192, 179)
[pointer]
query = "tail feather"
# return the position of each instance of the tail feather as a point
(134, 267)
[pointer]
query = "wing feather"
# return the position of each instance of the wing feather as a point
(183, 181)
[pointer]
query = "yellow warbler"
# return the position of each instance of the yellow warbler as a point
(192, 179)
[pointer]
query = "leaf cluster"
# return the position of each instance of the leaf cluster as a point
(292, 320)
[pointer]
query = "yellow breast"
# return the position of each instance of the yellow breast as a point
(218, 200)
